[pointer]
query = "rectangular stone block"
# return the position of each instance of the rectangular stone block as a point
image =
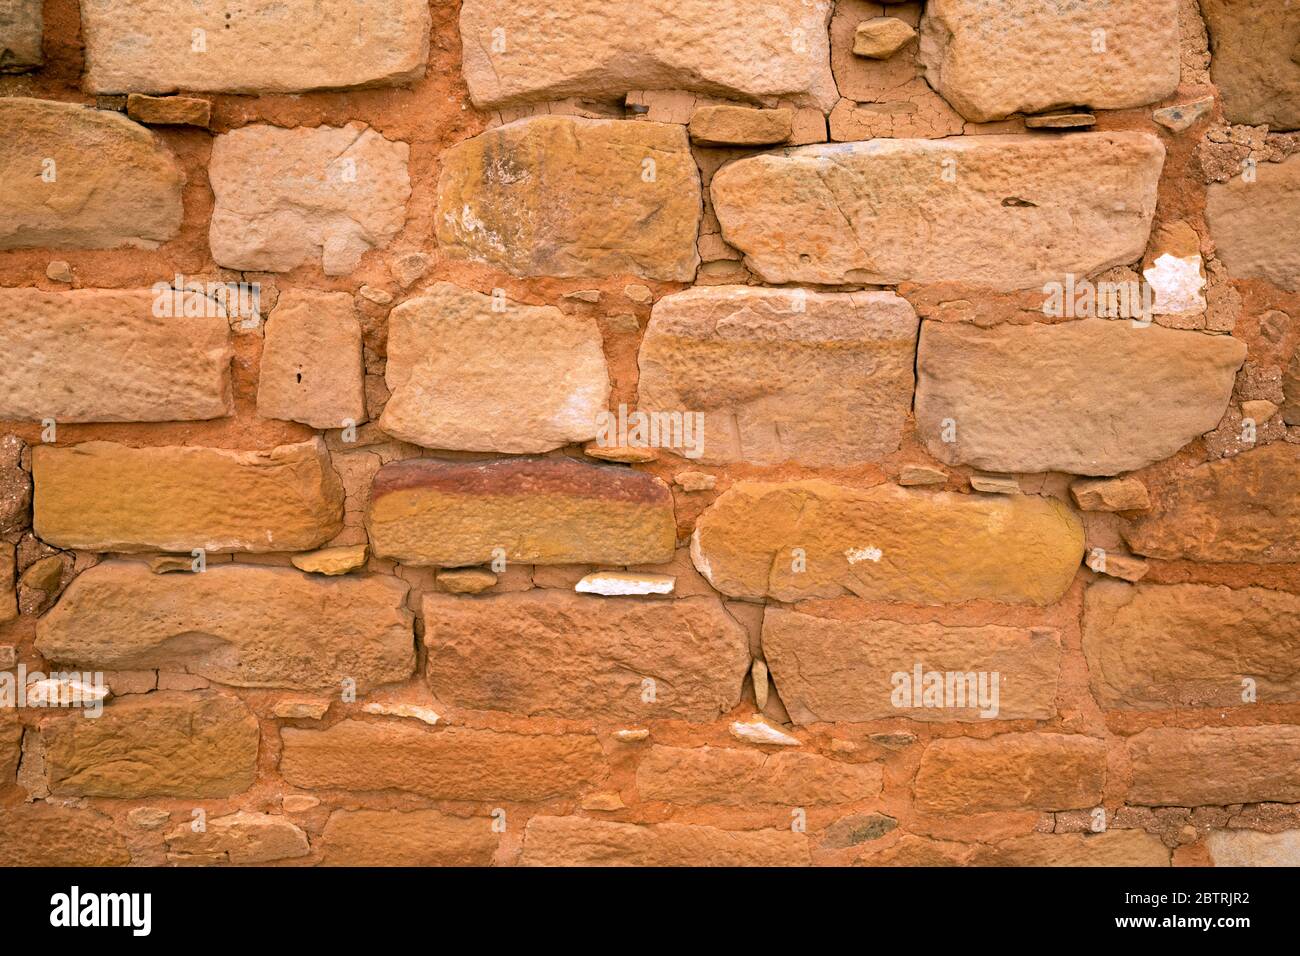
(578, 841)
(165, 744)
(834, 671)
(571, 197)
(781, 374)
(101, 496)
(1215, 766)
(22, 27)
(406, 838)
(1010, 772)
(1002, 212)
(312, 369)
(242, 625)
(554, 653)
(158, 46)
(452, 764)
(536, 511)
(1253, 63)
(42, 834)
(1252, 848)
(603, 49)
(1256, 224)
(1063, 397)
(108, 355)
(1111, 848)
(726, 776)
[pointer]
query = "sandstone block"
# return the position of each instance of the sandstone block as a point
(1215, 766)
(571, 197)
(285, 197)
(602, 50)
(333, 561)
(824, 378)
(726, 125)
(1004, 212)
(992, 60)
(1063, 397)
(466, 375)
(169, 110)
(1110, 494)
(21, 30)
(837, 671)
(1252, 848)
(1112, 848)
(538, 511)
(452, 764)
(1256, 225)
(42, 834)
(554, 653)
(885, 544)
(165, 744)
(881, 37)
(8, 587)
(1240, 509)
(107, 355)
(90, 179)
(412, 838)
(156, 46)
(578, 841)
(241, 839)
(311, 369)
(727, 776)
(1254, 61)
(178, 498)
(242, 625)
(1011, 772)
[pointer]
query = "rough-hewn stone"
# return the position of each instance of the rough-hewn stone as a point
(1063, 397)
(1021, 210)
(1256, 224)
(537, 511)
(452, 764)
(597, 49)
(727, 125)
(311, 370)
(1215, 766)
(577, 841)
(101, 496)
(1110, 494)
(152, 46)
(727, 776)
(1252, 848)
(1111, 848)
(240, 838)
(782, 374)
(886, 544)
(242, 625)
(881, 37)
(107, 355)
(990, 60)
(830, 670)
(571, 197)
(42, 834)
(1190, 645)
(82, 178)
(1254, 63)
(1241, 509)
(474, 373)
(169, 110)
(22, 26)
(412, 838)
(1011, 772)
(165, 744)
(285, 197)
(332, 561)
(554, 653)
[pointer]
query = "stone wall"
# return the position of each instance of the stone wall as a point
(966, 531)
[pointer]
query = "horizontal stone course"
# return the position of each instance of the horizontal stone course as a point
(1040, 771)
(577, 841)
(733, 777)
(406, 838)
(1215, 766)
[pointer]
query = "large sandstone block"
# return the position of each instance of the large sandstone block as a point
(243, 625)
(1215, 766)
(240, 838)
(1256, 225)
(805, 539)
(101, 496)
(106, 355)
(22, 27)
(1254, 62)
(727, 776)
(1242, 509)
(1004, 212)
(165, 744)
(578, 841)
(158, 46)
(529, 50)
(466, 375)
(833, 671)
(81, 178)
(453, 764)
(311, 369)
(783, 374)
(537, 511)
(570, 197)
(554, 653)
(1190, 645)
(411, 838)
(1252, 848)
(1040, 771)
(1065, 396)
(42, 834)
(1111, 848)
(990, 60)
(285, 197)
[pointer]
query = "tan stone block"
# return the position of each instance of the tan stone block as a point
(413, 838)
(311, 369)
(728, 776)
(41, 834)
(333, 561)
(8, 587)
(1112, 848)
(21, 28)
(1215, 766)
(1110, 494)
(1256, 224)
(1032, 771)
(578, 841)
(241, 839)
(881, 37)
(1254, 63)
(726, 125)
(1252, 848)
(178, 498)
(169, 110)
